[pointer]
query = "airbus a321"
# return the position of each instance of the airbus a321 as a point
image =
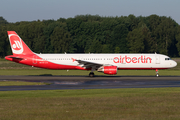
(106, 63)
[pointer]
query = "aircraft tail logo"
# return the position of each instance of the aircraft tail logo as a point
(17, 44)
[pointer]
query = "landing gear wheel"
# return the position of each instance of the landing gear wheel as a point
(91, 74)
(157, 75)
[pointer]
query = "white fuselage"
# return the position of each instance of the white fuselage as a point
(122, 61)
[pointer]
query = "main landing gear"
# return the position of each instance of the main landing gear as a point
(91, 74)
(157, 73)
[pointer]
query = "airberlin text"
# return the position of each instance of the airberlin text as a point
(126, 59)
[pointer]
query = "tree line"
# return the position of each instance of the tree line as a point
(96, 34)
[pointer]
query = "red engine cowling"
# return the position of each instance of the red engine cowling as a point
(110, 70)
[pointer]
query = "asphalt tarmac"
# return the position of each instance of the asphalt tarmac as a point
(85, 82)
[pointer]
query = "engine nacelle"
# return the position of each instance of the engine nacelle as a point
(110, 70)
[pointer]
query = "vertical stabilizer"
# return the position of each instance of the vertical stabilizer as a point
(17, 44)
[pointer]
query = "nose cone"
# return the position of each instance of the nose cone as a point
(174, 63)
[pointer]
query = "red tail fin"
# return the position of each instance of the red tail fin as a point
(17, 44)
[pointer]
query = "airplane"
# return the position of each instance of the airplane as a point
(106, 63)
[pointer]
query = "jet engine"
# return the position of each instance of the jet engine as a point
(110, 70)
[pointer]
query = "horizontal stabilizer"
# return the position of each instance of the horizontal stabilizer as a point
(17, 58)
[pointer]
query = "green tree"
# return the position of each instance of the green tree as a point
(60, 40)
(95, 47)
(178, 40)
(149, 44)
(106, 48)
(119, 38)
(135, 39)
(4, 42)
(3, 21)
(117, 50)
(165, 35)
(132, 22)
(93, 33)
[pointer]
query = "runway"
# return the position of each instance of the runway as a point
(85, 82)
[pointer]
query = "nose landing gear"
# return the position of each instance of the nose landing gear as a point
(157, 75)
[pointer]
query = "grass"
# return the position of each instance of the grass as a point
(12, 65)
(2, 59)
(47, 72)
(103, 104)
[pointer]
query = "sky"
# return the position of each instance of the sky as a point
(33, 10)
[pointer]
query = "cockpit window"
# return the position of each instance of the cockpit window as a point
(167, 58)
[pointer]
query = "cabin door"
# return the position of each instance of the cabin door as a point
(157, 59)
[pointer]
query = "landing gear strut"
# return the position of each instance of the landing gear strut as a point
(91, 74)
(157, 73)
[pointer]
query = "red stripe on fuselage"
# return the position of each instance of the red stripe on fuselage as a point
(36, 61)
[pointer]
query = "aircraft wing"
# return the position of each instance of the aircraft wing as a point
(88, 64)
